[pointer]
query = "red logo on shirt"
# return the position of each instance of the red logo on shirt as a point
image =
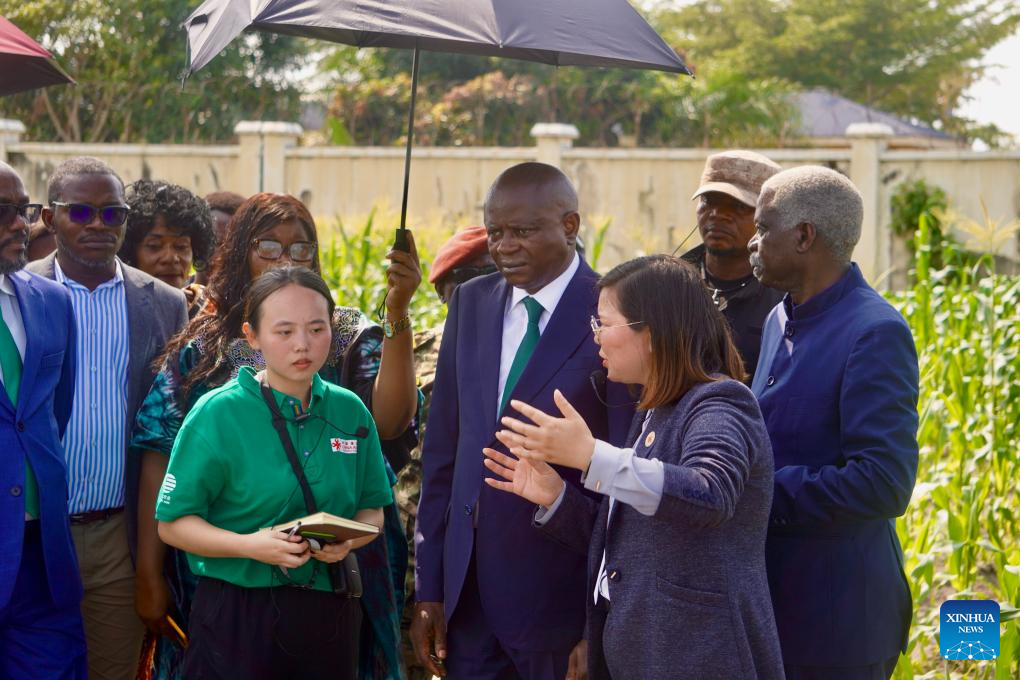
(343, 445)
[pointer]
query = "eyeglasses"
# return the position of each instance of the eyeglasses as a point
(82, 213)
(299, 251)
(464, 274)
(597, 327)
(29, 212)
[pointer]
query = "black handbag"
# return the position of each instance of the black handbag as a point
(344, 576)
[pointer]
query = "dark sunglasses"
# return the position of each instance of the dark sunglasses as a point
(81, 213)
(29, 212)
(299, 251)
(464, 274)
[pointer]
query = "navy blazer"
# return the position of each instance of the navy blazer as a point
(689, 595)
(33, 430)
(838, 383)
(531, 588)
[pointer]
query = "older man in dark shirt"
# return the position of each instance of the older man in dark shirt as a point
(837, 383)
(726, 198)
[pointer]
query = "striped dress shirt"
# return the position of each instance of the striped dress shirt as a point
(95, 440)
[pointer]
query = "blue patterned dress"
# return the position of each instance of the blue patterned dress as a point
(353, 363)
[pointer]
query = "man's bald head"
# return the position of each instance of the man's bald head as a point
(531, 221)
(554, 187)
(7, 171)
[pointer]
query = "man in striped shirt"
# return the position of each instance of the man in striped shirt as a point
(123, 318)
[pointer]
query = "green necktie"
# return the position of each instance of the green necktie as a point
(524, 351)
(10, 363)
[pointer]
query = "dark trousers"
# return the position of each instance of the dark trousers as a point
(474, 652)
(271, 633)
(876, 671)
(37, 639)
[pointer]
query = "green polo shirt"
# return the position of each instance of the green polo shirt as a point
(229, 467)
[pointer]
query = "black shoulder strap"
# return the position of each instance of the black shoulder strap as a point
(280, 425)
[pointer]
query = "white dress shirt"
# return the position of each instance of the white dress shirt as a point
(12, 316)
(515, 319)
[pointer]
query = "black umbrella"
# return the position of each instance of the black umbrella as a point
(24, 64)
(560, 32)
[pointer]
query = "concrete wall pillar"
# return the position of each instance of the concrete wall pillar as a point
(262, 155)
(10, 134)
(873, 253)
(550, 141)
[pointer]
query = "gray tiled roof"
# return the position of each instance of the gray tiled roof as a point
(824, 114)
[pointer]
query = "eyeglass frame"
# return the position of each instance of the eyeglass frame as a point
(93, 211)
(597, 327)
(290, 249)
(19, 209)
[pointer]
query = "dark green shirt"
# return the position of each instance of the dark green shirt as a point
(229, 467)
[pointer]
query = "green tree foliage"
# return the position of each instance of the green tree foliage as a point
(914, 58)
(473, 101)
(127, 57)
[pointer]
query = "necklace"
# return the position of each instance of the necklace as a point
(719, 294)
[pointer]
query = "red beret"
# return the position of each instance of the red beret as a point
(463, 246)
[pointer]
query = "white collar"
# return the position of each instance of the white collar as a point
(550, 294)
(5, 285)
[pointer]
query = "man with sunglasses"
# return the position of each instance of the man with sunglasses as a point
(123, 318)
(40, 591)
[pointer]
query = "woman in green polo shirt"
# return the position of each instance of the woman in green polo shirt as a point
(265, 606)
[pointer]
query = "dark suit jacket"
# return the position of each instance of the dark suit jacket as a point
(838, 384)
(532, 589)
(156, 312)
(34, 429)
(687, 585)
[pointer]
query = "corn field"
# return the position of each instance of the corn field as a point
(354, 263)
(960, 533)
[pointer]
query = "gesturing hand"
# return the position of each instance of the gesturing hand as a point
(564, 441)
(532, 480)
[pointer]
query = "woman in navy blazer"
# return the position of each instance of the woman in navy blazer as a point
(677, 584)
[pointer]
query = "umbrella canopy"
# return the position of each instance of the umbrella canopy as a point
(561, 32)
(24, 64)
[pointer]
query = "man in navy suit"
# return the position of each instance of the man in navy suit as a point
(837, 382)
(496, 599)
(41, 634)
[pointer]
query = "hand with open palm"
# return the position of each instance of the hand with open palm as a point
(532, 480)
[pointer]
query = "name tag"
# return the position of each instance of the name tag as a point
(343, 445)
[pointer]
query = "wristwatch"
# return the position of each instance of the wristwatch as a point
(398, 326)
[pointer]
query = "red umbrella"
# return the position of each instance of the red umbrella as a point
(24, 64)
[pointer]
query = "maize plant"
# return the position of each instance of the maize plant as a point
(960, 533)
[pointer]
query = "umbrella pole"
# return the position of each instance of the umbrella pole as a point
(400, 243)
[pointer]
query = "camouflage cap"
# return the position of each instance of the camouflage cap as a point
(739, 174)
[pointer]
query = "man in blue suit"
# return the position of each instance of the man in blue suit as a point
(496, 599)
(837, 382)
(41, 634)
